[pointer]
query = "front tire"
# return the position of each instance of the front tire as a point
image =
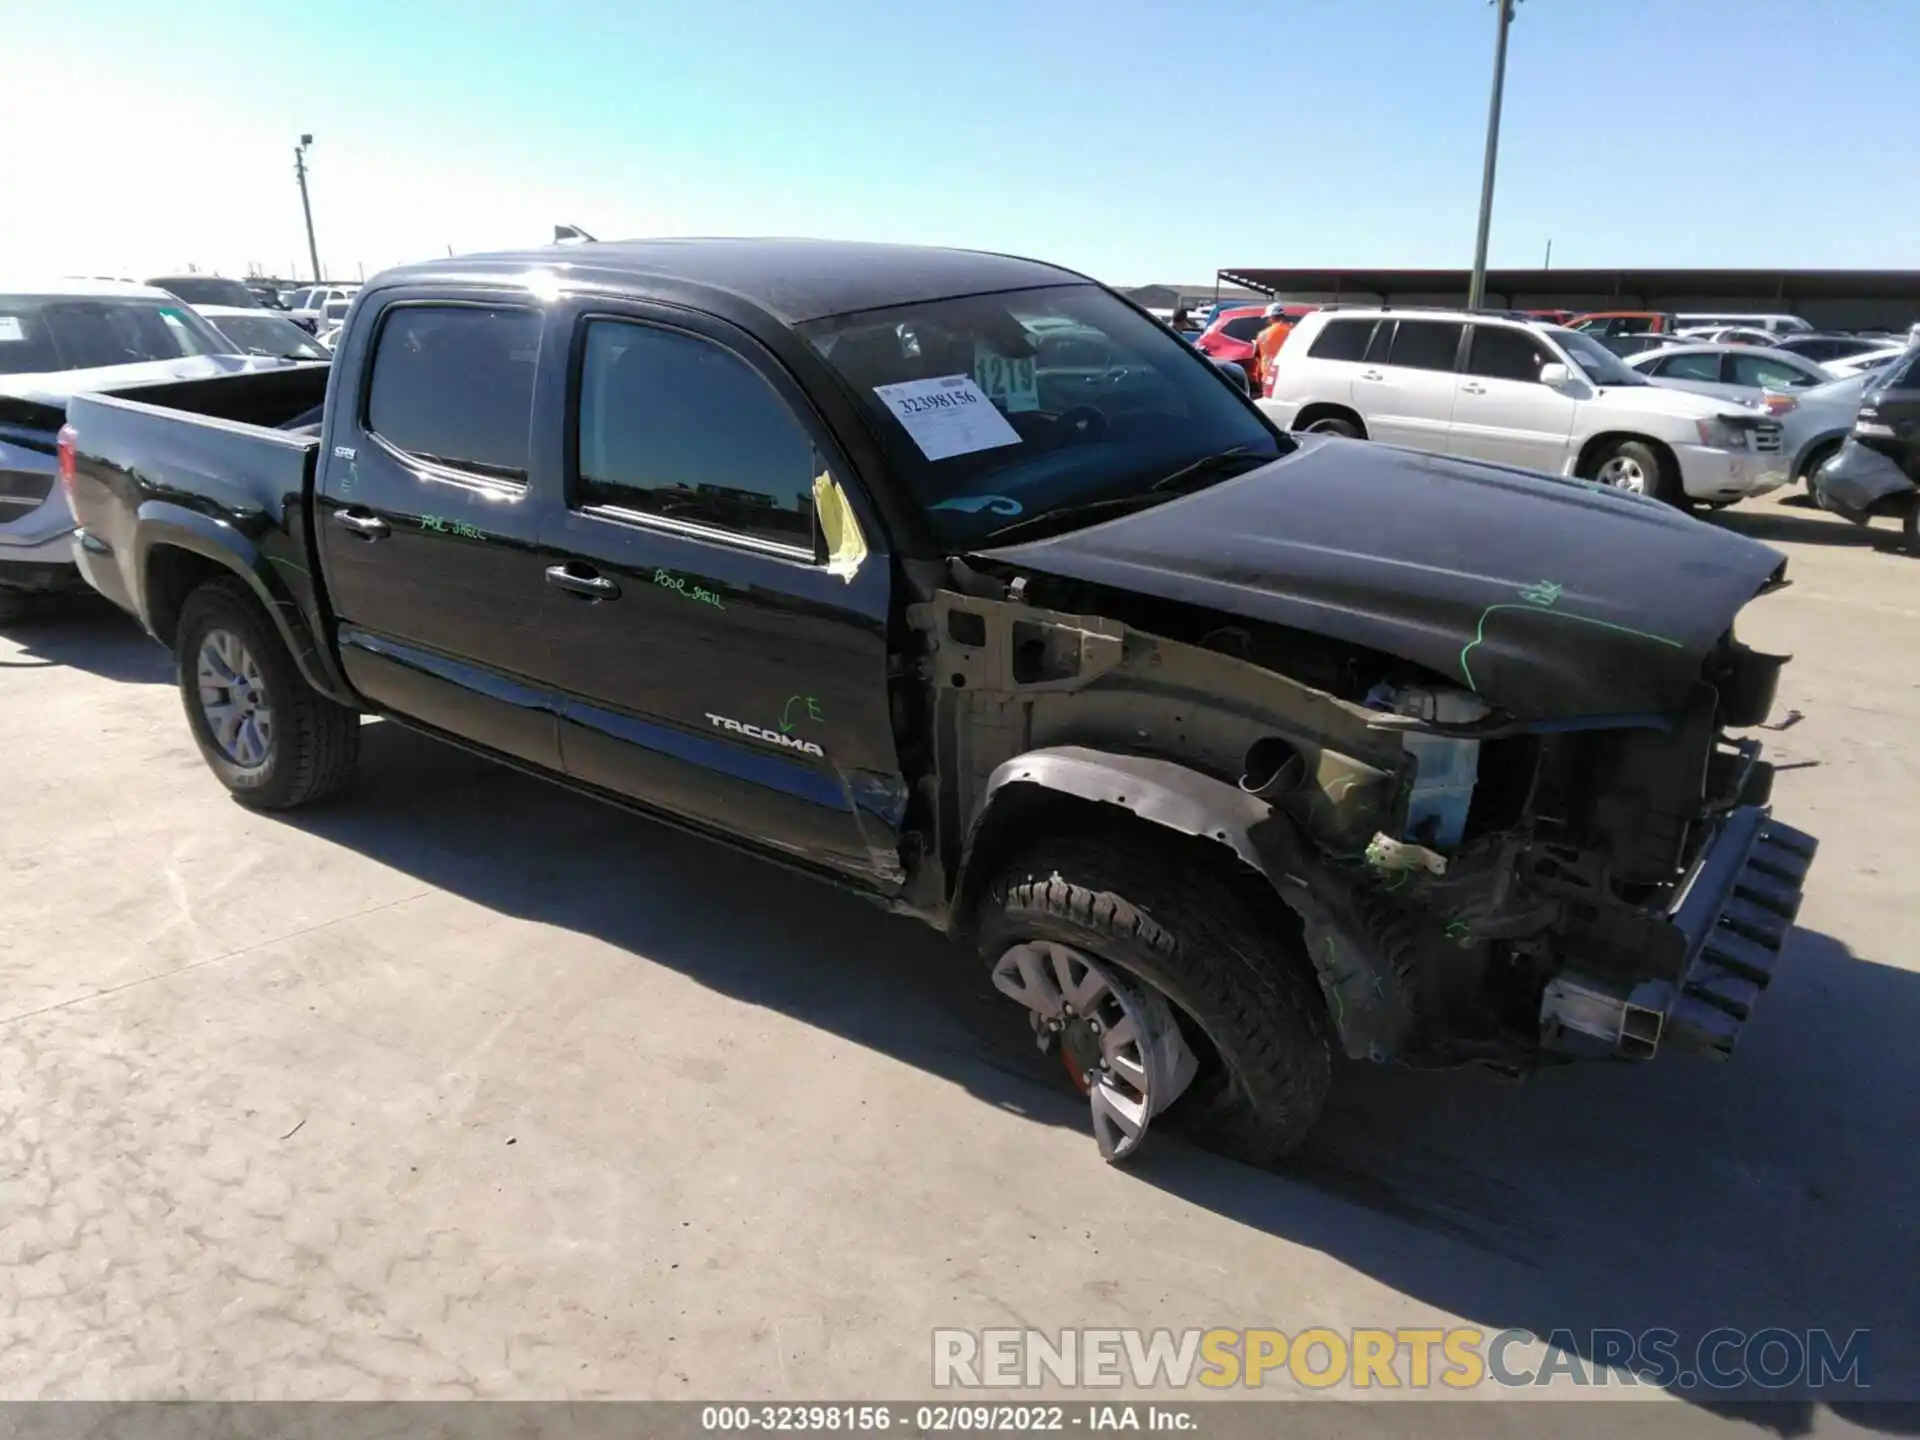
(1335, 425)
(1636, 467)
(273, 740)
(1244, 994)
(1910, 526)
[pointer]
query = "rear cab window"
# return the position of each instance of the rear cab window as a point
(676, 427)
(1244, 327)
(452, 385)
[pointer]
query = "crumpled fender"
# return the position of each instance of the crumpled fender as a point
(1857, 480)
(1368, 996)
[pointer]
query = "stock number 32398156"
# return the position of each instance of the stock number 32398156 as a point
(879, 1419)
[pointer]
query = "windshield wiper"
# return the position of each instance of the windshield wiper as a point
(1084, 510)
(1220, 460)
(1161, 490)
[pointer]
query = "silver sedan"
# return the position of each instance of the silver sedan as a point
(1745, 373)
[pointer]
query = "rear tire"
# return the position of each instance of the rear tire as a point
(305, 748)
(1636, 467)
(1244, 994)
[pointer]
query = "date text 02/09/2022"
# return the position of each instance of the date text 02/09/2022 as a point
(971, 1419)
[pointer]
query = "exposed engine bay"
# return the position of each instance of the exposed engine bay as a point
(1469, 886)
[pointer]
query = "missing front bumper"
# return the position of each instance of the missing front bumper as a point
(1735, 913)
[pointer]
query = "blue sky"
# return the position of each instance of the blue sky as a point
(1137, 139)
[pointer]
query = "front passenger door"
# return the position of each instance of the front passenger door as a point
(1410, 399)
(1502, 412)
(706, 657)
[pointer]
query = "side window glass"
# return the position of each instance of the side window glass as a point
(1425, 345)
(1761, 370)
(1380, 343)
(1342, 340)
(680, 427)
(1502, 354)
(1692, 367)
(453, 385)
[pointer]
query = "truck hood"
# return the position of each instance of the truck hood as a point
(1552, 598)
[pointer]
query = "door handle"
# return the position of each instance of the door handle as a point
(1371, 375)
(587, 587)
(367, 527)
(1470, 388)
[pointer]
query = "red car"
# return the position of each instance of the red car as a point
(1233, 332)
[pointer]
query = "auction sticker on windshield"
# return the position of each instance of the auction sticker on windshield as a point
(1008, 381)
(947, 416)
(10, 328)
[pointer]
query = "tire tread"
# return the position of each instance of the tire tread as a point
(319, 740)
(1151, 907)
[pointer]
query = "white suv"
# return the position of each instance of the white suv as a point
(319, 307)
(1520, 393)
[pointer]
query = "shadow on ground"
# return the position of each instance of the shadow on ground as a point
(1772, 1191)
(1810, 526)
(85, 632)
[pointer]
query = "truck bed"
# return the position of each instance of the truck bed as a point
(230, 454)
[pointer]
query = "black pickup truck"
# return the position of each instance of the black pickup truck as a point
(959, 581)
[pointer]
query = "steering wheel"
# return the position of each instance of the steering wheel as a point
(1082, 422)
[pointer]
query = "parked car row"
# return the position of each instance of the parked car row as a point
(61, 338)
(1630, 332)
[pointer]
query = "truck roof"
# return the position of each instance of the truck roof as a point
(796, 280)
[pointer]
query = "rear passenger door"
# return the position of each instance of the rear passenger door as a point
(426, 523)
(1322, 371)
(1501, 411)
(1407, 398)
(707, 658)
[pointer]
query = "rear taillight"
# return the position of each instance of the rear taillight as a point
(1780, 404)
(67, 436)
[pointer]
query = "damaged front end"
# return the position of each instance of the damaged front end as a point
(1469, 886)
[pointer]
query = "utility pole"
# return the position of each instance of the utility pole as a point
(306, 207)
(1477, 286)
(1548, 263)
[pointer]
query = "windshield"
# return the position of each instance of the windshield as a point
(208, 290)
(1600, 364)
(1000, 410)
(269, 335)
(41, 333)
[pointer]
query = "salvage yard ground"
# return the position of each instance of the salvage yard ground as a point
(468, 1087)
